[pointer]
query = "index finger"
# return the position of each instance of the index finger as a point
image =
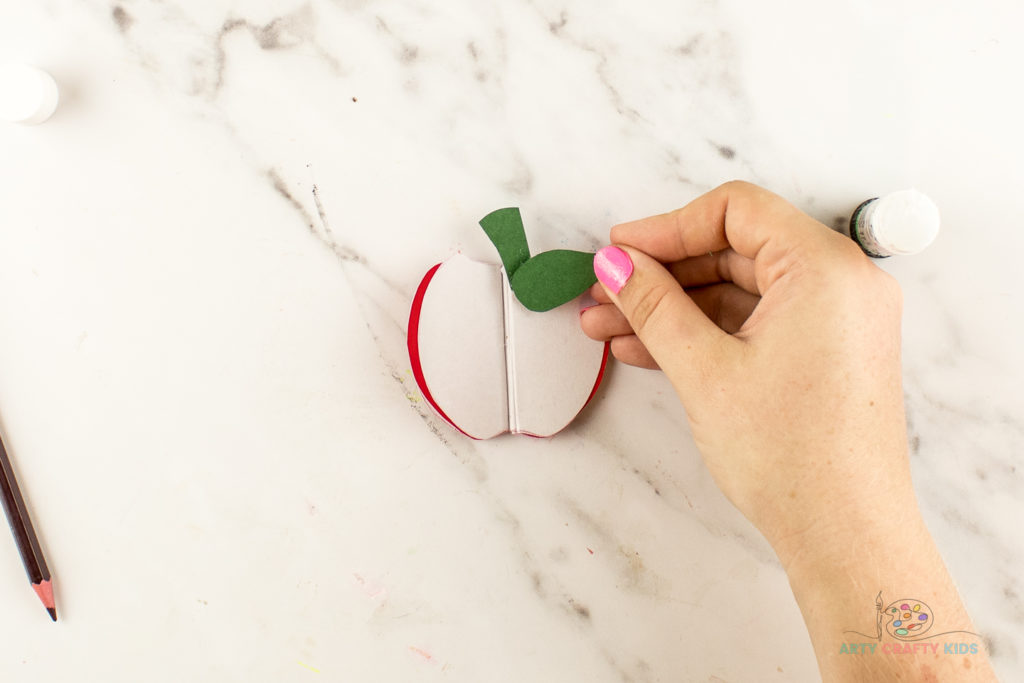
(736, 214)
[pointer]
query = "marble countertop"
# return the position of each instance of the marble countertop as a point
(205, 385)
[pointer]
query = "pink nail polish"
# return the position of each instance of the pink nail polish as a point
(612, 267)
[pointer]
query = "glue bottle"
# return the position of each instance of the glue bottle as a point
(903, 222)
(27, 94)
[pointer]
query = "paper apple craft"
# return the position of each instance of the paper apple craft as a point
(498, 349)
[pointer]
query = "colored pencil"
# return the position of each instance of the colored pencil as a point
(24, 534)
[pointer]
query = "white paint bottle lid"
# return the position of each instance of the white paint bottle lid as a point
(899, 223)
(27, 94)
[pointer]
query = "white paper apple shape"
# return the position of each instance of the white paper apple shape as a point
(488, 365)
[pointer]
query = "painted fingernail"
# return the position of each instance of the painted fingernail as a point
(612, 267)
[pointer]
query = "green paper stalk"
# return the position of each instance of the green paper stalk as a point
(546, 280)
(505, 229)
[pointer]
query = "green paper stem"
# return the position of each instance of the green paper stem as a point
(545, 281)
(505, 229)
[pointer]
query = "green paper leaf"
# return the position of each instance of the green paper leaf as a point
(553, 278)
(505, 229)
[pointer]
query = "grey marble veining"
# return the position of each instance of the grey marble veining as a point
(214, 244)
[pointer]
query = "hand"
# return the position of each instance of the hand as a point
(782, 340)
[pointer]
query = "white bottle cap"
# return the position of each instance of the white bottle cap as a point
(904, 222)
(27, 95)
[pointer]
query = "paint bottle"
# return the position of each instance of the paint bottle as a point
(903, 222)
(27, 94)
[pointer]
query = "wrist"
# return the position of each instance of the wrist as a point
(832, 519)
(857, 594)
(843, 533)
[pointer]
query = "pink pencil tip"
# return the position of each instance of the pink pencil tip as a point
(53, 613)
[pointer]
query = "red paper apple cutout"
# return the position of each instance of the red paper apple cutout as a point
(486, 363)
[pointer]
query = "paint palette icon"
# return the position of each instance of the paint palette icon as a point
(908, 619)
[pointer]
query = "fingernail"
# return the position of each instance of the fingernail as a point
(612, 267)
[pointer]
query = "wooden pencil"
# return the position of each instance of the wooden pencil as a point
(24, 534)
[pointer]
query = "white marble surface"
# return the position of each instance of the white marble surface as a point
(203, 377)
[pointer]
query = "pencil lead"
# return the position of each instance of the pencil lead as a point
(53, 612)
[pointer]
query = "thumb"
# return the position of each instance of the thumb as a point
(686, 344)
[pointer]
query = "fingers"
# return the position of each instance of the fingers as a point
(604, 322)
(722, 266)
(607, 324)
(599, 295)
(725, 304)
(736, 215)
(631, 351)
(671, 326)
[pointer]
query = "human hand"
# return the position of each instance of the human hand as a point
(784, 349)
(782, 340)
